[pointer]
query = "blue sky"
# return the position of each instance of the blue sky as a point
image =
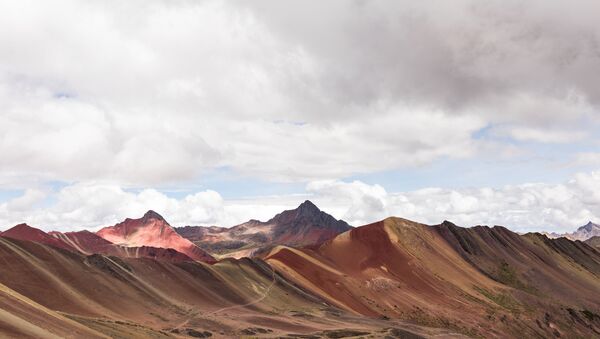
(217, 112)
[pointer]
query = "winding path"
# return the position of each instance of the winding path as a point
(255, 301)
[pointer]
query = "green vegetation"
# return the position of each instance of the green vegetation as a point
(501, 299)
(591, 316)
(507, 275)
(423, 318)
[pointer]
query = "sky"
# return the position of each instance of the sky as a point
(217, 112)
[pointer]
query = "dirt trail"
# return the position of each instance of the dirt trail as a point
(255, 301)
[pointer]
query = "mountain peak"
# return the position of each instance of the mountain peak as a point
(28, 233)
(23, 227)
(308, 206)
(152, 215)
(151, 230)
(589, 227)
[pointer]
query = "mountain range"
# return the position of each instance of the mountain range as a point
(303, 226)
(301, 274)
(583, 233)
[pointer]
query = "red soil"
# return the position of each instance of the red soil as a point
(152, 230)
(28, 233)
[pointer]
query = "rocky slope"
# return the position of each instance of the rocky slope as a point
(393, 278)
(480, 281)
(152, 230)
(594, 242)
(306, 225)
(89, 243)
(46, 292)
(28, 233)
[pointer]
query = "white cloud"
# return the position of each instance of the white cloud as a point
(545, 136)
(525, 207)
(152, 93)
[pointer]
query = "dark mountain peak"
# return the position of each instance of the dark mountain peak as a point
(308, 206)
(589, 227)
(448, 223)
(152, 215)
(306, 213)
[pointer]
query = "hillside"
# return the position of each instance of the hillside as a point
(152, 230)
(478, 281)
(74, 295)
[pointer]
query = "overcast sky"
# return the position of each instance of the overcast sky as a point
(215, 112)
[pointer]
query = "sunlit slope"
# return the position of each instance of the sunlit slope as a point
(21, 317)
(400, 269)
(136, 297)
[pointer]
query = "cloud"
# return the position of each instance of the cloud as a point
(92, 205)
(154, 94)
(525, 207)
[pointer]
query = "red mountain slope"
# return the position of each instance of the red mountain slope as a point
(153, 231)
(67, 294)
(480, 281)
(87, 242)
(26, 232)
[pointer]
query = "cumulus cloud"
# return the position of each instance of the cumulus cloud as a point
(92, 205)
(526, 207)
(151, 93)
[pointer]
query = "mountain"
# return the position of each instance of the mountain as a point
(480, 281)
(594, 242)
(583, 233)
(85, 242)
(28, 233)
(586, 231)
(152, 230)
(49, 293)
(393, 278)
(89, 243)
(306, 225)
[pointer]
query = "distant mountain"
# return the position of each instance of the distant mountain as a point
(152, 230)
(89, 243)
(28, 233)
(583, 233)
(594, 242)
(306, 225)
(85, 242)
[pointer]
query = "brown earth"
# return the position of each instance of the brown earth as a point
(390, 279)
(69, 294)
(480, 281)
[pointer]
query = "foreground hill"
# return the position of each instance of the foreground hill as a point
(306, 225)
(152, 230)
(481, 281)
(48, 292)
